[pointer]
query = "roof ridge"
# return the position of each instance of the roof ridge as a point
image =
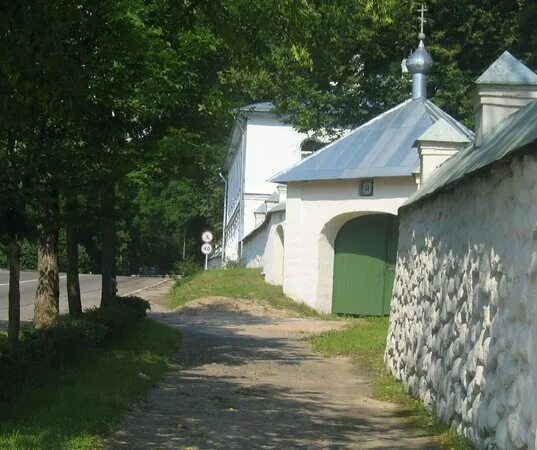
(331, 144)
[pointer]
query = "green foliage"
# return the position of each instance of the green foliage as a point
(235, 264)
(138, 305)
(76, 405)
(365, 340)
(187, 269)
(64, 342)
(241, 284)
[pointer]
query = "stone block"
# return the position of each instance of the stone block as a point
(501, 435)
(517, 431)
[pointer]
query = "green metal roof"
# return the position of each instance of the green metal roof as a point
(513, 134)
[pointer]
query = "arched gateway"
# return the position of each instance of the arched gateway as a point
(364, 265)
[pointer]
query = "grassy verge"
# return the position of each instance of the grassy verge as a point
(365, 340)
(246, 284)
(74, 407)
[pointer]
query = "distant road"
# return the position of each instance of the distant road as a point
(90, 288)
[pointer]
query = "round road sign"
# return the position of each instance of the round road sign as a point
(206, 248)
(207, 236)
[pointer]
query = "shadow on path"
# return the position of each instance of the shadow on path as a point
(246, 380)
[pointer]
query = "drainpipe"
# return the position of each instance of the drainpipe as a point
(224, 219)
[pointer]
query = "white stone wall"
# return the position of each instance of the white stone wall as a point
(463, 324)
(255, 248)
(316, 210)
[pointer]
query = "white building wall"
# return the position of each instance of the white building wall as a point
(315, 213)
(257, 247)
(267, 147)
(272, 147)
(234, 180)
(251, 202)
(463, 332)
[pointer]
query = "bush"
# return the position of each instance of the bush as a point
(187, 268)
(139, 305)
(235, 264)
(64, 342)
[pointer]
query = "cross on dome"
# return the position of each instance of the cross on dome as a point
(422, 20)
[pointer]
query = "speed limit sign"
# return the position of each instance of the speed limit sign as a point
(206, 248)
(207, 237)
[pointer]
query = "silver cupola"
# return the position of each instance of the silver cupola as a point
(419, 64)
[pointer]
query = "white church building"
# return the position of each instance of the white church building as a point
(261, 145)
(328, 234)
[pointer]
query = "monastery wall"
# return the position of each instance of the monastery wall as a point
(463, 325)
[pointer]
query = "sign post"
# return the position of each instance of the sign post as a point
(207, 247)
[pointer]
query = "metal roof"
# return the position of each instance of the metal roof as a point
(382, 147)
(514, 133)
(508, 70)
(258, 107)
(441, 131)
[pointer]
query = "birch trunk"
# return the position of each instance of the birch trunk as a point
(46, 308)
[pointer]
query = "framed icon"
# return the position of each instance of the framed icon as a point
(366, 188)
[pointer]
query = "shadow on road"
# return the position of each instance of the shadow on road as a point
(244, 381)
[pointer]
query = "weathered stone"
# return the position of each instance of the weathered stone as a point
(501, 434)
(517, 430)
(465, 307)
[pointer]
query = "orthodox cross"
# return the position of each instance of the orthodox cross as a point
(422, 19)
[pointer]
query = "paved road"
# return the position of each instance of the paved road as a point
(90, 287)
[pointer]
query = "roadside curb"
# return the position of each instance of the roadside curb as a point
(147, 287)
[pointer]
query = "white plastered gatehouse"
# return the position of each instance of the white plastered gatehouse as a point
(339, 233)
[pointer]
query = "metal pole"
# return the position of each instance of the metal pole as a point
(206, 259)
(184, 243)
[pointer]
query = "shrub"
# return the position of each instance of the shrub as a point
(137, 304)
(64, 342)
(235, 264)
(187, 268)
(114, 318)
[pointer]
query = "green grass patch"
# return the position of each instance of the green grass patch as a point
(74, 407)
(365, 340)
(240, 283)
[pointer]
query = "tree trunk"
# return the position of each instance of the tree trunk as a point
(46, 308)
(14, 256)
(73, 282)
(108, 236)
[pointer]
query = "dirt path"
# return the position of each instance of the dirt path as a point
(245, 379)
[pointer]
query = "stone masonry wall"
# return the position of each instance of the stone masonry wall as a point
(463, 325)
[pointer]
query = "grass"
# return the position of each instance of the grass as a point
(245, 284)
(365, 340)
(74, 407)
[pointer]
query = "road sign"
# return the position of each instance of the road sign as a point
(206, 248)
(207, 237)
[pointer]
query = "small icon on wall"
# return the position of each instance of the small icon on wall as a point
(366, 188)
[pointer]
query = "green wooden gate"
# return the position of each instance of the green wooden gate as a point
(364, 265)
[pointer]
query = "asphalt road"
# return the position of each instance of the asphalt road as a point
(90, 287)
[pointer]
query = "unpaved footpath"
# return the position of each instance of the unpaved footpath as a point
(246, 379)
